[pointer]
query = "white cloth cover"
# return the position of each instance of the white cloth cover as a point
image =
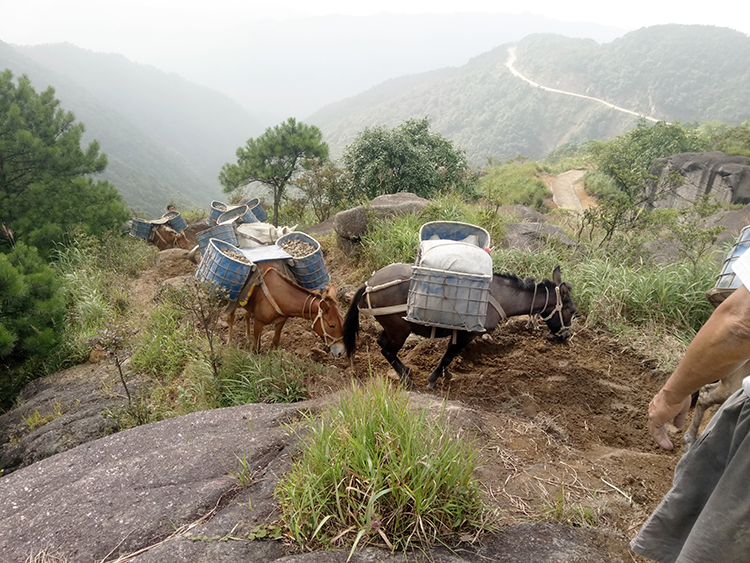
(455, 256)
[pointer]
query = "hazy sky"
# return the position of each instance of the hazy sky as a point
(135, 27)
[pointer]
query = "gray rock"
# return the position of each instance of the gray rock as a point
(522, 213)
(533, 236)
(725, 177)
(165, 493)
(354, 223)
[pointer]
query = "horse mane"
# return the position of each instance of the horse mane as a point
(527, 284)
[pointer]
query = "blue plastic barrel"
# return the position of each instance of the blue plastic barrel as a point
(310, 270)
(224, 265)
(454, 230)
(237, 215)
(217, 208)
(141, 229)
(220, 232)
(257, 210)
(176, 221)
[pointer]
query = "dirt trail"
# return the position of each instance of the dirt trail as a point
(512, 59)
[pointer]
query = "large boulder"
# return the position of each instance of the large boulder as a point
(725, 177)
(522, 213)
(531, 237)
(353, 223)
(168, 492)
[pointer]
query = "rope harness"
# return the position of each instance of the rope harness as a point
(558, 308)
(307, 306)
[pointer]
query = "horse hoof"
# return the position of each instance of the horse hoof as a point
(431, 385)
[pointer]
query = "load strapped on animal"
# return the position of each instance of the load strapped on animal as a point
(175, 220)
(308, 266)
(165, 232)
(223, 264)
(262, 242)
(250, 211)
(450, 283)
(727, 281)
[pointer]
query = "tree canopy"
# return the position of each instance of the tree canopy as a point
(32, 309)
(44, 186)
(408, 158)
(274, 157)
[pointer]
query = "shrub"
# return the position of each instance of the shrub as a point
(32, 315)
(514, 183)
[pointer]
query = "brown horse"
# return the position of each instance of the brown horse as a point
(164, 237)
(274, 297)
(385, 297)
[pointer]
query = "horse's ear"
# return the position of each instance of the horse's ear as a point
(323, 306)
(557, 276)
(330, 291)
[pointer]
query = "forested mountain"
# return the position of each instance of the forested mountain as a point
(166, 138)
(672, 72)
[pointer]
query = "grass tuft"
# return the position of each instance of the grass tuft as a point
(374, 471)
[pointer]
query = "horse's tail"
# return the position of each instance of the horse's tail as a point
(351, 322)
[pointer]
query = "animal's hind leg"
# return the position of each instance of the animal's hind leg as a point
(462, 340)
(389, 347)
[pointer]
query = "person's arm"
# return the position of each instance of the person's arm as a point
(721, 345)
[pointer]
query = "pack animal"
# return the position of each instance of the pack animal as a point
(164, 237)
(713, 394)
(385, 295)
(274, 297)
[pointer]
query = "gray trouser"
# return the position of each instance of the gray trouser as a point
(705, 517)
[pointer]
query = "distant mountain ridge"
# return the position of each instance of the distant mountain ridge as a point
(165, 138)
(673, 72)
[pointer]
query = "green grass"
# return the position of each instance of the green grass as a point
(164, 346)
(373, 470)
(275, 377)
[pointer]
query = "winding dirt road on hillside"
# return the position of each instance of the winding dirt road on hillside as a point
(512, 59)
(567, 191)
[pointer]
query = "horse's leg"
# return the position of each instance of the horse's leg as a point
(389, 347)
(277, 331)
(247, 329)
(257, 330)
(230, 322)
(462, 340)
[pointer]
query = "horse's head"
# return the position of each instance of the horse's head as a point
(328, 324)
(166, 237)
(558, 313)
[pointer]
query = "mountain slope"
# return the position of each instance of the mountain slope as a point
(674, 72)
(148, 162)
(483, 109)
(488, 112)
(202, 124)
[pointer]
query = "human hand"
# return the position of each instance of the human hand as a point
(662, 410)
